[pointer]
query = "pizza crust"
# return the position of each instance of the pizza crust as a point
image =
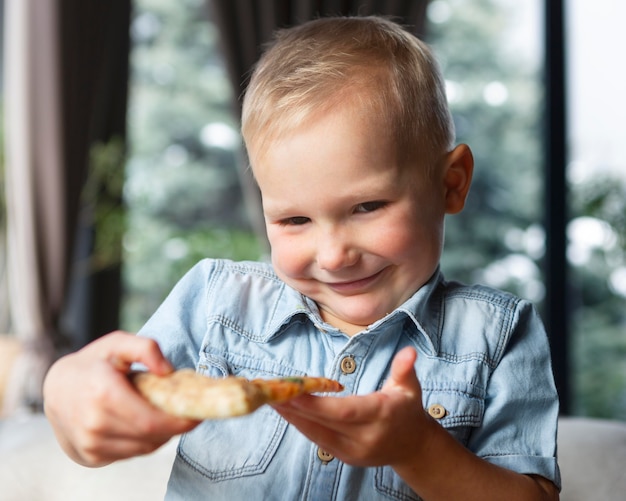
(185, 393)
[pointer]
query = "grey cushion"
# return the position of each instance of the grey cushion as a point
(592, 457)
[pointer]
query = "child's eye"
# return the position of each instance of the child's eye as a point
(294, 221)
(370, 206)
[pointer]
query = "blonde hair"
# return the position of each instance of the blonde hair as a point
(368, 61)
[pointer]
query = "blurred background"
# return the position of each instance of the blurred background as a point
(536, 89)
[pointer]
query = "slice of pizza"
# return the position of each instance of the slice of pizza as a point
(186, 393)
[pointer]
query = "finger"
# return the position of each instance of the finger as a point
(140, 419)
(121, 424)
(113, 449)
(349, 442)
(340, 411)
(122, 349)
(122, 441)
(135, 416)
(327, 438)
(156, 427)
(118, 407)
(403, 377)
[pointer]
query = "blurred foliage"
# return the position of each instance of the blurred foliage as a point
(158, 255)
(598, 293)
(506, 197)
(604, 197)
(102, 196)
(182, 188)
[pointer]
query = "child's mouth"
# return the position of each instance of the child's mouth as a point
(354, 285)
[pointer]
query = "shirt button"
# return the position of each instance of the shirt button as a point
(348, 365)
(437, 411)
(324, 456)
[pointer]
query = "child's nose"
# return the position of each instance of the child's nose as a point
(336, 252)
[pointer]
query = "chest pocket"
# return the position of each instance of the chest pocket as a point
(457, 410)
(235, 447)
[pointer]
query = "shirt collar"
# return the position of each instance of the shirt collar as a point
(422, 309)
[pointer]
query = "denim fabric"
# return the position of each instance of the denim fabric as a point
(482, 355)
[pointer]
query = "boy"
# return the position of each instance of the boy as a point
(351, 143)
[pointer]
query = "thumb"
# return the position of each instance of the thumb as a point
(122, 350)
(403, 377)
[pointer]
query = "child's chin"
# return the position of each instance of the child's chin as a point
(359, 317)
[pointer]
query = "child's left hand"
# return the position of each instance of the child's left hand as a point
(382, 428)
(391, 427)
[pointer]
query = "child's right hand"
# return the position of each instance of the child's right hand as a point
(97, 415)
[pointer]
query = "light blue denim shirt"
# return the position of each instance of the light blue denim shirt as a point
(483, 360)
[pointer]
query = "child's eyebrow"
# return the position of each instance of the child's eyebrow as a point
(277, 210)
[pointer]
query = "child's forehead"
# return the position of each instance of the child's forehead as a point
(359, 174)
(358, 104)
(412, 167)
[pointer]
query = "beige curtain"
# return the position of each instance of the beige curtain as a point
(35, 222)
(66, 78)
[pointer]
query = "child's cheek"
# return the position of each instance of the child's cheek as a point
(289, 257)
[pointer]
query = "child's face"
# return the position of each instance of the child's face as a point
(348, 226)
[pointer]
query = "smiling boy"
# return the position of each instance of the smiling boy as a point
(351, 143)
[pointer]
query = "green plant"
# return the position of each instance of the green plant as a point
(103, 202)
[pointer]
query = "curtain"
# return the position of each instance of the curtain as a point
(34, 215)
(95, 47)
(246, 25)
(65, 89)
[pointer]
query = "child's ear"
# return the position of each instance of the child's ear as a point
(457, 177)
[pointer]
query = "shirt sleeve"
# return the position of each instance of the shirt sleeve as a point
(519, 427)
(179, 324)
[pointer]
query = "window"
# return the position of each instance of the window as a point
(597, 231)
(493, 77)
(182, 190)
